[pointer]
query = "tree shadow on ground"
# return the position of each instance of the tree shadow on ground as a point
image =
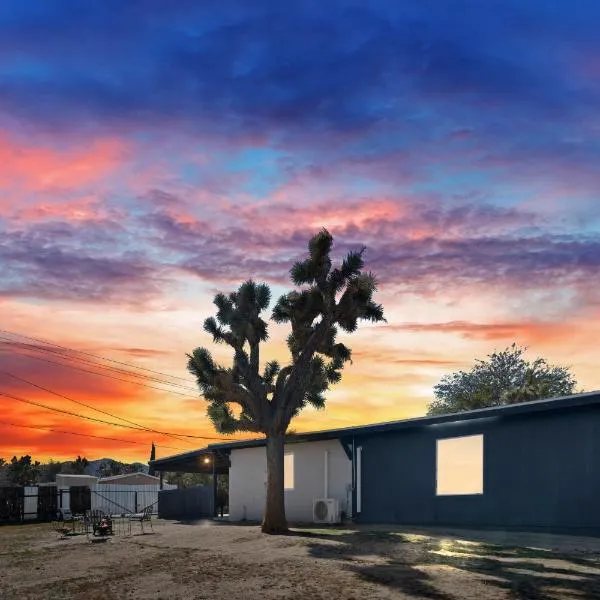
(397, 561)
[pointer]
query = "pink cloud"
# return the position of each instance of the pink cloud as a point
(40, 168)
(86, 208)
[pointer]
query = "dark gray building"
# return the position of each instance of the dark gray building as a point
(533, 466)
(539, 465)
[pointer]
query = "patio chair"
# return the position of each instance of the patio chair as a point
(141, 518)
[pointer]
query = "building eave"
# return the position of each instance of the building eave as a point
(563, 403)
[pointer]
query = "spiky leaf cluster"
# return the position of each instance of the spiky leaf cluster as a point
(329, 299)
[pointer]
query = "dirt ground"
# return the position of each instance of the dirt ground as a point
(214, 561)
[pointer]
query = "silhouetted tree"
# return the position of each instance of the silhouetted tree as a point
(267, 400)
(23, 471)
(50, 470)
(113, 467)
(505, 378)
(186, 480)
(152, 457)
(78, 466)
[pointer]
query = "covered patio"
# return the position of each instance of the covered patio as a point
(212, 462)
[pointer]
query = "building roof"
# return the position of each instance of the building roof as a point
(74, 477)
(203, 460)
(125, 475)
(563, 403)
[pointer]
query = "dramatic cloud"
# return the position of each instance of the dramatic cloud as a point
(63, 261)
(152, 153)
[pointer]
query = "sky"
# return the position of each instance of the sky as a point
(154, 153)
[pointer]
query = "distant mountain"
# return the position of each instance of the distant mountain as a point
(95, 466)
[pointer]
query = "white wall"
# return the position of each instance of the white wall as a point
(248, 478)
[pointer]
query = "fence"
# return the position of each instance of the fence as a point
(115, 499)
(29, 503)
(191, 503)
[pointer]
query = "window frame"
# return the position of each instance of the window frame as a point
(439, 494)
(287, 487)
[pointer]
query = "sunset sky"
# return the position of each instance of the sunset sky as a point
(153, 153)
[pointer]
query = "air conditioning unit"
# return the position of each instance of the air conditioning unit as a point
(326, 510)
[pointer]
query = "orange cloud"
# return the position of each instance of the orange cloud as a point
(531, 332)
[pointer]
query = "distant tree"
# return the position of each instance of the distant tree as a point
(78, 466)
(50, 470)
(152, 457)
(114, 467)
(23, 471)
(244, 398)
(186, 480)
(505, 378)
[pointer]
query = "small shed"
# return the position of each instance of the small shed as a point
(74, 492)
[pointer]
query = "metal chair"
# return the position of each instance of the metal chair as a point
(141, 518)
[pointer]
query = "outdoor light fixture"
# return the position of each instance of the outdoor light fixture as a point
(206, 460)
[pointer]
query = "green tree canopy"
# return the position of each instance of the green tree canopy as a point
(506, 377)
(23, 471)
(248, 396)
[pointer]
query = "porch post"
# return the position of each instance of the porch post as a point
(161, 480)
(214, 466)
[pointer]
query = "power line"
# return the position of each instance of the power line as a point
(58, 353)
(105, 375)
(67, 412)
(137, 425)
(89, 435)
(90, 354)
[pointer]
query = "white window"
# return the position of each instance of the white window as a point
(288, 471)
(460, 466)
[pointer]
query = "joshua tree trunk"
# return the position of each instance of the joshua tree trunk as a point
(274, 521)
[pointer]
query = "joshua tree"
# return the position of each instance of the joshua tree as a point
(266, 400)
